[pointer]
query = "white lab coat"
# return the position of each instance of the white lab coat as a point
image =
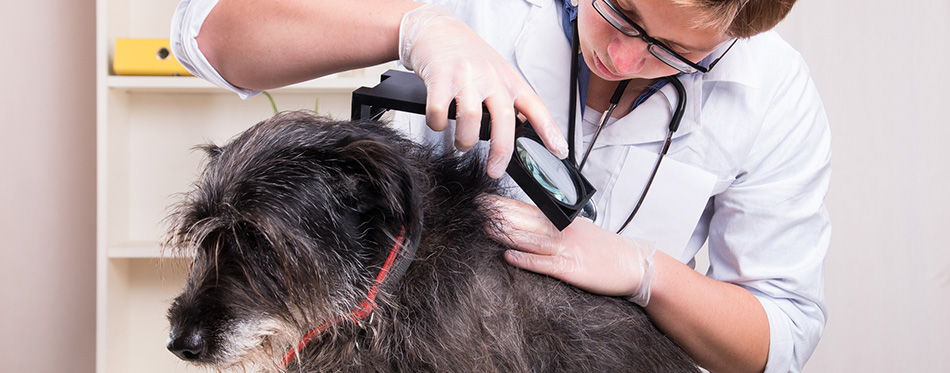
(747, 171)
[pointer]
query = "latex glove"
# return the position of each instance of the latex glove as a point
(456, 63)
(583, 254)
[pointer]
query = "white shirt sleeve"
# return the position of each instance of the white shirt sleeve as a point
(770, 230)
(186, 23)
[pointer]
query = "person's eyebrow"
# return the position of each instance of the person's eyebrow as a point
(629, 9)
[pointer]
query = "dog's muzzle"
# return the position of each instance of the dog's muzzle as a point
(188, 346)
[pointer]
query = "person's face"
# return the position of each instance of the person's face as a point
(613, 56)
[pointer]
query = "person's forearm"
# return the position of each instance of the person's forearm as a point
(721, 326)
(265, 44)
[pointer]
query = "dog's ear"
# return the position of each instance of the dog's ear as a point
(390, 187)
(212, 151)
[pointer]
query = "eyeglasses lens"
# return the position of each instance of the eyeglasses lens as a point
(619, 21)
(670, 59)
(615, 19)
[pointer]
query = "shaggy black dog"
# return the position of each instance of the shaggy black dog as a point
(341, 246)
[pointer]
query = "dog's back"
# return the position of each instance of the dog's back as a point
(458, 306)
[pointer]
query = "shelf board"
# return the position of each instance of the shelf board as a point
(142, 250)
(136, 251)
(190, 84)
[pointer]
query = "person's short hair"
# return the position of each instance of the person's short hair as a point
(739, 18)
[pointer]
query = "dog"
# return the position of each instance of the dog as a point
(333, 246)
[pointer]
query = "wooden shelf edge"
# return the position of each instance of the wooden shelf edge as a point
(136, 251)
(190, 84)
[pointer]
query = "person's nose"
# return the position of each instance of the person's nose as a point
(628, 55)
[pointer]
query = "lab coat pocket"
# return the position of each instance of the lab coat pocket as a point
(672, 207)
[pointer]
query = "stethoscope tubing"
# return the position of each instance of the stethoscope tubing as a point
(614, 101)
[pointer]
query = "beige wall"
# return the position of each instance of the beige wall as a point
(47, 186)
(881, 67)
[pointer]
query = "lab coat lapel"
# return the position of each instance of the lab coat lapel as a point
(649, 122)
(734, 68)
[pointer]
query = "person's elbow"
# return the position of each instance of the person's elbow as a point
(215, 42)
(231, 45)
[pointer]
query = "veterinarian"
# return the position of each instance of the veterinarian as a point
(746, 173)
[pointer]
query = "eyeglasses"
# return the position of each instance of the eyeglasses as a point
(621, 22)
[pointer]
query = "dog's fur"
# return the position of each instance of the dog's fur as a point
(290, 223)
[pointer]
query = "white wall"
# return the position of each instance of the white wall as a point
(47, 186)
(881, 70)
(879, 65)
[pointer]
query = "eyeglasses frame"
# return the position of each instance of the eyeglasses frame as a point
(651, 42)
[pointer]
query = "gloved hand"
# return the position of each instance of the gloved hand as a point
(583, 254)
(455, 63)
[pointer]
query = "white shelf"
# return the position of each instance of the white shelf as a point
(137, 251)
(190, 84)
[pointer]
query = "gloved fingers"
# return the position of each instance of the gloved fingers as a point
(530, 105)
(588, 258)
(456, 63)
(502, 133)
(551, 265)
(438, 98)
(533, 243)
(583, 254)
(532, 247)
(524, 227)
(522, 216)
(468, 119)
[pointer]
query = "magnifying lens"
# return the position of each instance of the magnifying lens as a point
(549, 173)
(554, 185)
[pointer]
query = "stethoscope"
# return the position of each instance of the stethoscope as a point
(556, 186)
(590, 210)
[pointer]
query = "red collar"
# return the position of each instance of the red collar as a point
(361, 312)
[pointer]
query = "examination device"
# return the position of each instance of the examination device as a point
(554, 185)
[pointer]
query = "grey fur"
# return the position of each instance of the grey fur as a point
(290, 222)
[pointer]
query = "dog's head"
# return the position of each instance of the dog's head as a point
(287, 227)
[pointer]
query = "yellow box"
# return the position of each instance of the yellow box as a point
(145, 57)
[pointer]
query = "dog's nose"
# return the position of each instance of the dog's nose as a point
(187, 346)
